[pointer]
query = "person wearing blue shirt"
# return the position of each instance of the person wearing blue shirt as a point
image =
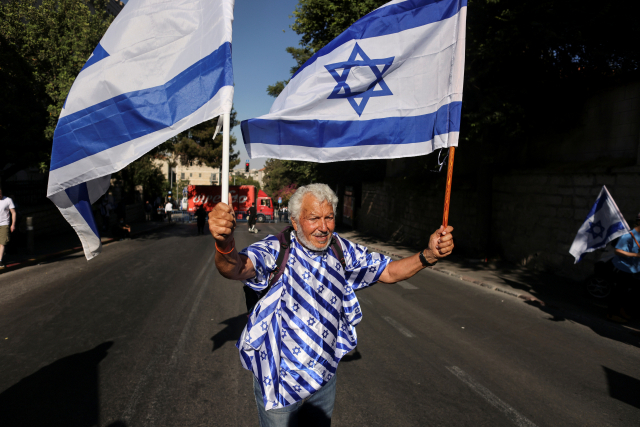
(305, 324)
(627, 264)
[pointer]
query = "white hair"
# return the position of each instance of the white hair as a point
(321, 192)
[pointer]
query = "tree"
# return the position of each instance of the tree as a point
(43, 45)
(141, 172)
(242, 180)
(284, 173)
(527, 61)
(196, 145)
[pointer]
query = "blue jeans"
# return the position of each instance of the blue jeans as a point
(316, 410)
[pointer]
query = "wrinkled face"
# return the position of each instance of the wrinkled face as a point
(316, 223)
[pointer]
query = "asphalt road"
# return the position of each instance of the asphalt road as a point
(144, 335)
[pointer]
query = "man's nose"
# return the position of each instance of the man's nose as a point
(323, 225)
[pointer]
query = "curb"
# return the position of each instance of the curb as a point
(41, 258)
(568, 314)
(488, 285)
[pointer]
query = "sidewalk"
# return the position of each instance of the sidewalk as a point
(57, 246)
(562, 298)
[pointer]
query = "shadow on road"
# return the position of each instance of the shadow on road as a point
(64, 393)
(354, 355)
(232, 332)
(623, 387)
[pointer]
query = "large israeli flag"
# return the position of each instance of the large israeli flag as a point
(389, 86)
(603, 224)
(161, 68)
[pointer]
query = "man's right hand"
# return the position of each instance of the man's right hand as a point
(222, 223)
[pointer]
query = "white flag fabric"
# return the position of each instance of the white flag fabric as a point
(161, 68)
(603, 224)
(389, 86)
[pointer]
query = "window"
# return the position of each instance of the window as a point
(199, 175)
(190, 175)
(265, 202)
(182, 175)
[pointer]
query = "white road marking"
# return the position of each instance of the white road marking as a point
(407, 285)
(404, 331)
(365, 300)
(494, 400)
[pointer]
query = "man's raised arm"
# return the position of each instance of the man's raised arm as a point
(440, 245)
(222, 224)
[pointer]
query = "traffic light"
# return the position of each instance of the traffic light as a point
(246, 167)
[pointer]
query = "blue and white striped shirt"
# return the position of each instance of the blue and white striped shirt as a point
(299, 331)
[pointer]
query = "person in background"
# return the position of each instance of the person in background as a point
(280, 215)
(627, 269)
(147, 211)
(251, 220)
(7, 223)
(168, 209)
(200, 216)
(122, 230)
(105, 210)
(286, 214)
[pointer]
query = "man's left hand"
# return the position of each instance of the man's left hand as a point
(440, 244)
(13, 228)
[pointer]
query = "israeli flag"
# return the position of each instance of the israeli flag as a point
(603, 224)
(161, 68)
(390, 86)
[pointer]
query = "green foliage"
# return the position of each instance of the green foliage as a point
(141, 172)
(196, 145)
(243, 180)
(284, 173)
(43, 46)
(529, 64)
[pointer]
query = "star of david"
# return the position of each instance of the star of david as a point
(295, 307)
(320, 289)
(595, 229)
(264, 326)
(263, 355)
(284, 333)
(333, 299)
(325, 334)
(296, 351)
(297, 388)
(311, 363)
(306, 275)
(267, 380)
(342, 89)
(311, 321)
(283, 374)
(372, 269)
(338, 266)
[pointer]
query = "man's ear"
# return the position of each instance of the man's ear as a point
(295, 225)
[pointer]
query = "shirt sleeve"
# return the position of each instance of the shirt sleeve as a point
(363, 268)
(263, 255)
(11, 205)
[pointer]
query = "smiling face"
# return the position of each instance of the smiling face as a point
(316, 223)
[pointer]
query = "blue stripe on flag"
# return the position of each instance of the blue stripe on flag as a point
(613, 228)
(98, 54)
(334, 133)
(132, 115)
(597, 206)
(79, 196)
(390, 20)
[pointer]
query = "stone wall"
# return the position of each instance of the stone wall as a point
(527, 212)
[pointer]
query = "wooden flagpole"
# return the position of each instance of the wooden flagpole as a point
(447, 193)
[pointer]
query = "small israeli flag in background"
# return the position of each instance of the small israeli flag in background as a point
(389, 86)
(603, 224)
(161, 68)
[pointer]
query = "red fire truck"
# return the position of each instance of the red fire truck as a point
(243, 196)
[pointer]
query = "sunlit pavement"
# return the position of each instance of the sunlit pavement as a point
(145, 335)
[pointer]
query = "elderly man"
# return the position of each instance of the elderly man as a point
(298, 332)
